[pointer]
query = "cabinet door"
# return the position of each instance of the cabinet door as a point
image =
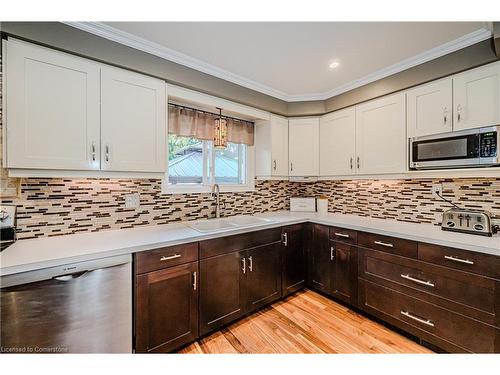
(222, 297)
(344, 272)
(294, 259)
(381, 135)
(303, 148)
(279, 146)
(337, 143)
(133, 122)
(166, 312)
(319, 259)
(430, 108)
(263, 275)
(52, 112)
(476, 97)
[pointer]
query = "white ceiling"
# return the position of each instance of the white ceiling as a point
(290, 60)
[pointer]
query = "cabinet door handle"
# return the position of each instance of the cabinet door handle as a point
(459, 260)
(250, 265)
(285, 239)
(357, 162)
(427, 322)
(342, 235)
(386, 244)
(445, 115)
(170, 257)
(459, 114)
(244, 265)
(195, 280)
(418, 281)
(92, 151)
(274, 164)
(332, 253)
(291, 167)
(106, 156)
(350, 162)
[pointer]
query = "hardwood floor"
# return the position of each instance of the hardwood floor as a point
(305, 322)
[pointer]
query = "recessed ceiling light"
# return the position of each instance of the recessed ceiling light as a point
(334, 65)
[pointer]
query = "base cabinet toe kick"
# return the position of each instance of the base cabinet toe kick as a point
(445, 298)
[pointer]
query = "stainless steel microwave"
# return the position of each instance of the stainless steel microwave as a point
(466, 148)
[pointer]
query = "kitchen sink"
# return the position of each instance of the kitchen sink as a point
(245, 220)
(214, 225)
(211, 225)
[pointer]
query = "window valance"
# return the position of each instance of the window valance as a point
(189, 122)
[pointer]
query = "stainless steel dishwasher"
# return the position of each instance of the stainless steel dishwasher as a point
(84, 307)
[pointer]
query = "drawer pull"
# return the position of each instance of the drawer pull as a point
(427, 322)
(342, 235)
(175, 256)
(386, 244)
(459, 260)
(418, 281)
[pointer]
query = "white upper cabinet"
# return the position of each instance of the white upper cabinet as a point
(303, 147)
(52, 109)
(430, 108)
(337, 143)
(381, 135)
(133, 122)
(271, 147)
(476, 97)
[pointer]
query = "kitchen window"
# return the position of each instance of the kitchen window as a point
(194, 165)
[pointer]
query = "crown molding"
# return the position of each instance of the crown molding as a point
(130, 40)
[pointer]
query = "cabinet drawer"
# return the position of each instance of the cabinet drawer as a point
(224, 245)
(462, 292)
(344, 235)
(483, 264)
(392, 245)
(439, 326)
(164, 257)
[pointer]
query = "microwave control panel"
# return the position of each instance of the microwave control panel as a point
(489, 144)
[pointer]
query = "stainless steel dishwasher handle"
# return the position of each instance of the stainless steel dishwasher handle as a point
(70, 276)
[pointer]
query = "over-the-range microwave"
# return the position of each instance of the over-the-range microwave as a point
(466, 148)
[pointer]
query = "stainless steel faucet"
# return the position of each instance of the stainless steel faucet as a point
(216, 196)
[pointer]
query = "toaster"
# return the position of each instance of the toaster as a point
(467, 221)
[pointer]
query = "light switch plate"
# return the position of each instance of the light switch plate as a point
(132, 200)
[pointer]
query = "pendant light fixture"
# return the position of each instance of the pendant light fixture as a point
(220, 131)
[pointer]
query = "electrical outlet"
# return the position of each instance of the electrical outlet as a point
(132, 200)
(437, 189)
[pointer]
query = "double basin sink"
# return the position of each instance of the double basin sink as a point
(227, 223)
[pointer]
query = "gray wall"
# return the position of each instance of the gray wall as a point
(58, 35)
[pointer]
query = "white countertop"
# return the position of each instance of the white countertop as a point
(38, 253)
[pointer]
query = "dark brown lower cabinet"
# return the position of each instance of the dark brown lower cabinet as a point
(238, 283)
(319, 262)
(222, 295)
(294, 258)
(332, 265)
(436, 325)
(263, 275)
(344, 276)
(166, 312)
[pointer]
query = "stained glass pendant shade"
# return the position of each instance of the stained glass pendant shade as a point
(220, 131)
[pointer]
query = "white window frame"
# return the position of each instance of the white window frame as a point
(206, 186)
